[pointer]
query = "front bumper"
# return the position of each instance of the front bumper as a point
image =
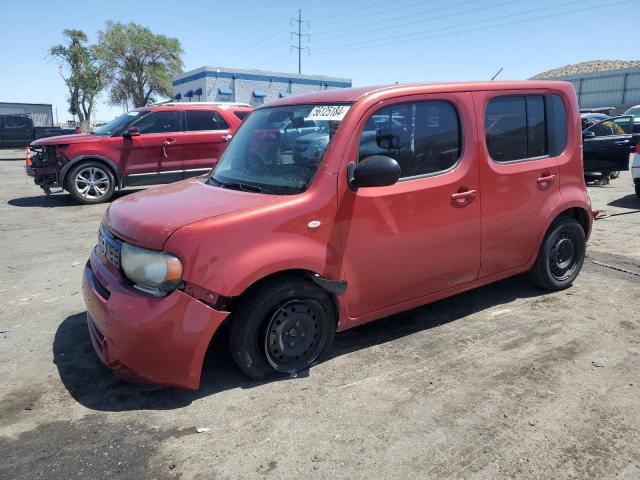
(145, 339)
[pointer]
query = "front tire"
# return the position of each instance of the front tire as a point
(284, 325)
(90, 182)
(561, 255)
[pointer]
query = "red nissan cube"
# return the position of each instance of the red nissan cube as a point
(336, 208)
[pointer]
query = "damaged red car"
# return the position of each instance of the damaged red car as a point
(161, 143)
(392, 198)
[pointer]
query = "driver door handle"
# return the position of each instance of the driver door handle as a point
(621, 142)
(462, 199)
(226, 138)
(168, 141)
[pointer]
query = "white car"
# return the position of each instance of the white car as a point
(635, 169)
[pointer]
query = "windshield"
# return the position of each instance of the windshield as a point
(278, 150)
(118, 123)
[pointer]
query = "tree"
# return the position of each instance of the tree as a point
(81, 71)
(140, 63)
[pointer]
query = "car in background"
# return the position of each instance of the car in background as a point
(607, 143)
(18, 131)
(161, 143)
(635, 170)
(635, 111)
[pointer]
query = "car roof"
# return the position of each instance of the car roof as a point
(350, 95)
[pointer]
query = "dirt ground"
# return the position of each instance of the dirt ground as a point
(502, 382)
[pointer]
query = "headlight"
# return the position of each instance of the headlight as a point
(152, 272)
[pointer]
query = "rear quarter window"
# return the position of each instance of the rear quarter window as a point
(241, 114)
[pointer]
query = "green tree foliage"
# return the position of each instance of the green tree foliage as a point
(81, 71)
(139, 63)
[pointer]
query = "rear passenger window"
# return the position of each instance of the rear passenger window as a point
(525, 126)
(505, 125)
(205, 120)
(16, 121)
(423, 137)
(536, 128)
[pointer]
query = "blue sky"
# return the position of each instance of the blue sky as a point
(372, 42)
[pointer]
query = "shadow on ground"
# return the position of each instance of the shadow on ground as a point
(58, 200)
(628, 201)
(95, 387)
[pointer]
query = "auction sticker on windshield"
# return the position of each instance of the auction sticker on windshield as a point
(328, 112)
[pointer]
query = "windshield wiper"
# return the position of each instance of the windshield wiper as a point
(245, 187)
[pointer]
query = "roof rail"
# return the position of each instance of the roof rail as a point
(217, 104)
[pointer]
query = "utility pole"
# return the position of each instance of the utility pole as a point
(299, 34)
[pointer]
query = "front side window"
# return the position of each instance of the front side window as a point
(119, 123)
(205, 120)
(423, 137)
(262, 158)
(159, 122)
(612, 127)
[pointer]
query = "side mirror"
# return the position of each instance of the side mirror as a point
(373, 171)
(132, 132)
(588, 134)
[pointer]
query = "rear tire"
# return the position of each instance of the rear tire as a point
(561, 255)
(638, 190)
(284, 325)
(90, 182)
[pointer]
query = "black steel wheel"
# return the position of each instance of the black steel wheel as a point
(561, 255)
(285, 324)
(295, 335)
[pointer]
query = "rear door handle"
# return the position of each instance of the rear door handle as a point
(621, 142)
(168, 141)
(546, 179)
(464, 198)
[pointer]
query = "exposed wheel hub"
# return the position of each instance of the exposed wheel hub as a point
(294, 335)
(562, 256)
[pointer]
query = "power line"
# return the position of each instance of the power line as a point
(244, 49)
(387, 21)
(355, 10)
(299, 34)
(384, 41)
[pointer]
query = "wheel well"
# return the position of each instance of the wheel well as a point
(580, 215)
(91, 159)
(283, 275)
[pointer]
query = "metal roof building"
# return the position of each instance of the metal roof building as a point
(601, 83)
(40, 113)
(215, 84)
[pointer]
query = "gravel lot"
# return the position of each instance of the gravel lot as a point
(502, 382)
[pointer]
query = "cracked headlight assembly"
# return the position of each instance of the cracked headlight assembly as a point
(152, 272)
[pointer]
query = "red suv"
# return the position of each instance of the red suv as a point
(157, 144)
(395, 197)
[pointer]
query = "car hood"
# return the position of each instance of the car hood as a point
(66, 139)
(149, 217)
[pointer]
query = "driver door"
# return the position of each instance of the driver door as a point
(607, 144)
(422, 234)
(154, 156)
